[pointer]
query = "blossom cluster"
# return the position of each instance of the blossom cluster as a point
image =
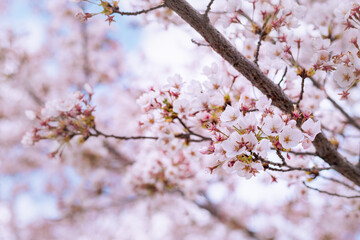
(273, 16)
(347, 72)
(107, 9)
(61, 120)
(243, 129)
(349, 14)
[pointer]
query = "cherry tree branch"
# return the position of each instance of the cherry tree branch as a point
(249, 70)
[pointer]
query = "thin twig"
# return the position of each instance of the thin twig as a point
(138, 12)
(208, 8)
(303, 153)
(200, 44)
(284, 167)
(302, 90)
(281, 157)
(257, 52)
(191, 132)
(350, 120)
(300, 153)
(99, 133)
(186, 136)
(329, 193)
(339, 182)
(283, 76)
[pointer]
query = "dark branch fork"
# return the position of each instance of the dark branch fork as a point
(225, 49)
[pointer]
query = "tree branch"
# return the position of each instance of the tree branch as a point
(99, 133)
(191, 132)
(329, 193)
(185, 136)
(137, 12)
(302, 90)
(226, 50)
(283, 76)
(284, 167)
(208, 8)
(339, 182)
(200, 44)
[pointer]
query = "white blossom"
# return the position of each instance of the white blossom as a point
(344, 76)
(311, 128)
(273, 125)
(290, 137)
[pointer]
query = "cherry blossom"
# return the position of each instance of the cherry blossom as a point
(249, 131)
(344, 76)
(290, 137)
(311, 128)
(273, 125)
(230, 115)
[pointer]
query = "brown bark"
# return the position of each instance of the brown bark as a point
(226, 50)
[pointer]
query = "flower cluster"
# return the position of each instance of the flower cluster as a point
(347, 73)
(243, 130)
(61, 120)
(243, 139)
(273, 16)
(349, 14)
(107, 9)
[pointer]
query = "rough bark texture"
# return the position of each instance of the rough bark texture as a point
(225, 49)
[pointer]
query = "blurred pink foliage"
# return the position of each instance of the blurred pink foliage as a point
(128, 149)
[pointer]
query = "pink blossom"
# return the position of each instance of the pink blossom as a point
(237, 144)
(306, 143)
(311, 128)
(27, 139)
(31, 115)
(273, 125)
(344, 76)
(232, 145)
(247, 170)
(263, 103)
(290, 137)
(247, 122)
(263, 147)
(230, 115)
(181, 105)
